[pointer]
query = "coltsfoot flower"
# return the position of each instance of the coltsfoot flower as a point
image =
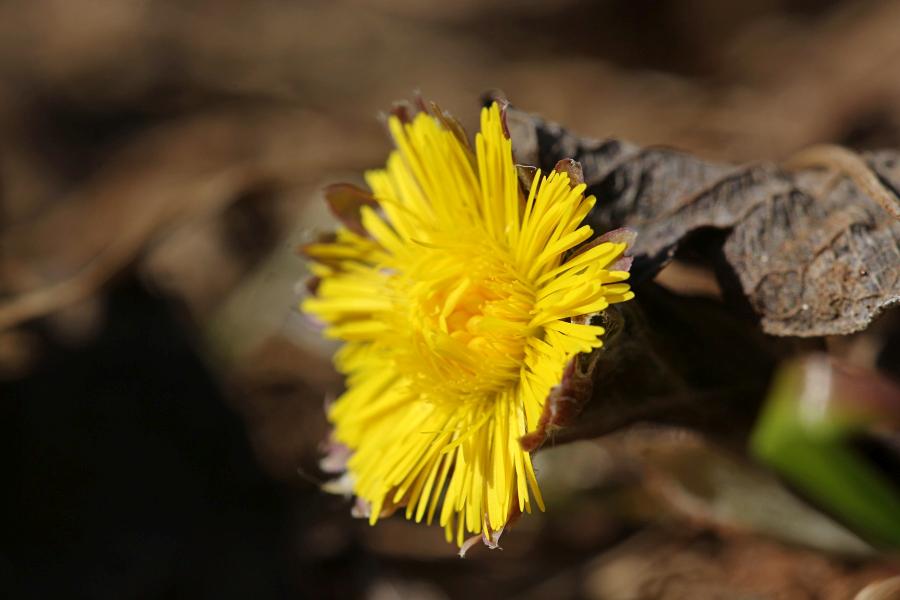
(456, 294)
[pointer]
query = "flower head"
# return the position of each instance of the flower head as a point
(454, 292)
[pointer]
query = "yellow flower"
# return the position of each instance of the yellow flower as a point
(454, 296)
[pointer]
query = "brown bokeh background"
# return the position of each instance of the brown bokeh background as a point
(161, 405)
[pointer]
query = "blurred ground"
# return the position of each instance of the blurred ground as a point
(159, 163)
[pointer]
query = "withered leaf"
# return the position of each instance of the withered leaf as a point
(815, 250)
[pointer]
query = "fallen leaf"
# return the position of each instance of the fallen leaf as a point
(813, 244)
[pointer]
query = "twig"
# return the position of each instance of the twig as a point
(124, 248)
(842, 160)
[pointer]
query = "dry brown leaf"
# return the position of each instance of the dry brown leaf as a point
(687, 567)
(814, 243)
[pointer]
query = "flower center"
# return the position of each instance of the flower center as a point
(468, 318)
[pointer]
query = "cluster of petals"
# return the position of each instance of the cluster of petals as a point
(458, 296)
